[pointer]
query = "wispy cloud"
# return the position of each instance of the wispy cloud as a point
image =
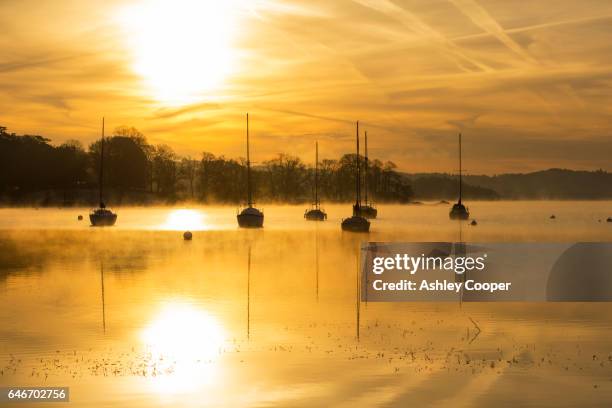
(530, 87)
(413, 23)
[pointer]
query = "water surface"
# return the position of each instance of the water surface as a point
(134, 316)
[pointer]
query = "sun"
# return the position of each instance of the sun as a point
(182, 49)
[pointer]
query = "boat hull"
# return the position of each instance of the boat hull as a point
(459, 212)
(315, 215)
(102, 219)
(366, 211)
(356, 224)
(250, 218)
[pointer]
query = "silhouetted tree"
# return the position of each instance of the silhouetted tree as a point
(188, 172)
(125, 164)
(221, 179)
(31, 165)
(165, 171)
(285, 178)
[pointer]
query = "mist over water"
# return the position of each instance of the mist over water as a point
(499, 221)
(136, 315)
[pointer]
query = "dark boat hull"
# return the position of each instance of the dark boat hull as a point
(459, 212)
(250, 218)
(366, 211)
(356, 224)
(102, 219)
(315, 215)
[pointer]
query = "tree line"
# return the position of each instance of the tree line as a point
(32, 169)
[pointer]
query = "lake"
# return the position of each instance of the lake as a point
(133, 315)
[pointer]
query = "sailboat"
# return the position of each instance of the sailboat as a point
(459, 211)
(356, 223)
(316, 213)
(367, 210)
(102, 216)
(249, 217)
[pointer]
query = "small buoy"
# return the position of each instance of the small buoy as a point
(187, 235)
(473, 222)
(80, 218)
(552, 217)
(609, 219)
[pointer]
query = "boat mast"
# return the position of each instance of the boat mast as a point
(358, 180)
(365, 182)
(249, 295)
(103, 303)
(101, 184)
(459, 168)
(249, 195)
(316, 174)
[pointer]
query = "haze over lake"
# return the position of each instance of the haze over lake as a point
(133, 314)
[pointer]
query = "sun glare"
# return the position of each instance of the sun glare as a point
(183, 331)
(189, 341)
(183, 220)
(181, 48)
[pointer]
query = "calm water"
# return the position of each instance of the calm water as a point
(135, 316)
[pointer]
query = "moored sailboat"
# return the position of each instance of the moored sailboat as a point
(316, 213)
(367, 210)
(356, 223)
(102, 216)
(249, 217)
(459, 211)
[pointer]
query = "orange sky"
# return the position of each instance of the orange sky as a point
(529, 85)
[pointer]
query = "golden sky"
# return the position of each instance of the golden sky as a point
(528, 83)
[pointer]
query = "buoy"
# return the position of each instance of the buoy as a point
(609, 219)
(80, 218)
(552, 217)
(187, 235)
(473, 222)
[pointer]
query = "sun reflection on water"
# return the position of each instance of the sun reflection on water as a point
(185, 343)
(184, 219)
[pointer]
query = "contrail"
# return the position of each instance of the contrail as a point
(26, 63)
(413, 22)
(329, 118)
(482, 18)
(539, 26)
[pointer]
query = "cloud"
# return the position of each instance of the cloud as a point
(530, 86)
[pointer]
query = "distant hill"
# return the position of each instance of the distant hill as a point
(560, 184)
(445, 187)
